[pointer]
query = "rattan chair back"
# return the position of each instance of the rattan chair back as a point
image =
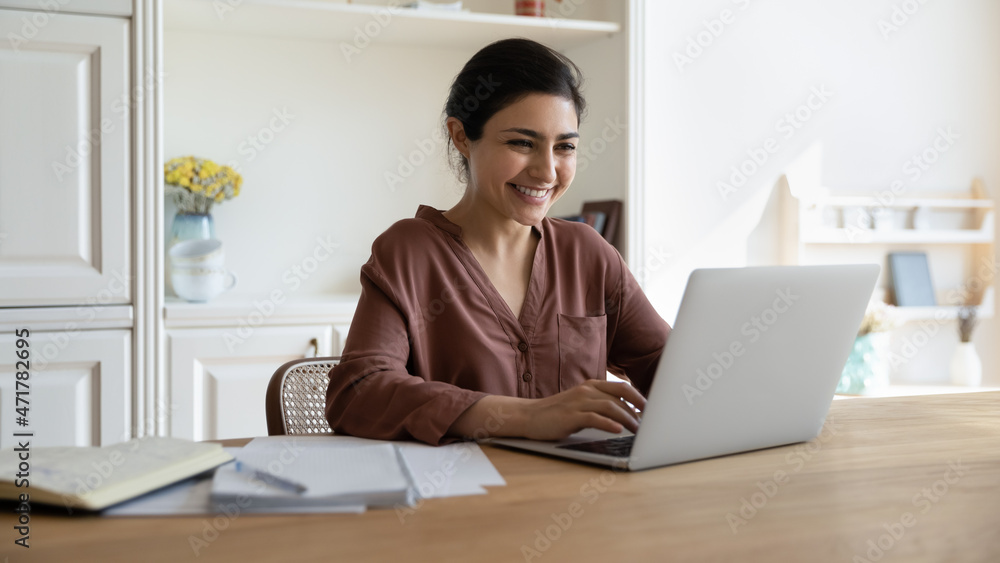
(296, 397)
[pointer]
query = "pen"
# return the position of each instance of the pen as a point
(270, 478)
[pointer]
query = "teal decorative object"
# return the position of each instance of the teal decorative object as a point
(867, 367)
(187, 226)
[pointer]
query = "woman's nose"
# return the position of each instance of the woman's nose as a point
(543, 167)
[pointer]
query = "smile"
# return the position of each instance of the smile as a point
(540, 194)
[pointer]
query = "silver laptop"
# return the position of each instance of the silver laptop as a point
(752, 362)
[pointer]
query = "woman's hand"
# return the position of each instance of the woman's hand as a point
(591, 404)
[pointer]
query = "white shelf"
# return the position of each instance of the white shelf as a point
(873, 236)
(905, 203)
(341, 22)
(229, 309)
(915, 390)
(943, 313)
(66, 319)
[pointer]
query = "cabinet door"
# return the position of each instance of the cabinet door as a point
(64, 159)
(218, 377)
(79, 388)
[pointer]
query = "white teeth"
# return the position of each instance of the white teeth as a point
(528, 191)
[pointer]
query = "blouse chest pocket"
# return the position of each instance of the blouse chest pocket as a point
(583, 349)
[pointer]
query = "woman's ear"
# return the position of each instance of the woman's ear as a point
(457, 132)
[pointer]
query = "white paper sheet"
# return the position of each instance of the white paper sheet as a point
(441, 471)
(444, 471)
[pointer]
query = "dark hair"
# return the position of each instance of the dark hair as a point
(502, 73)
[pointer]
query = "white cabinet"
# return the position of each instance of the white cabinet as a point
(217, 388)
(64, 159)
(221, 356)
(79, 389)
(66, 273)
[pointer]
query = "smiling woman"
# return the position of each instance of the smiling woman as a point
(490, 319)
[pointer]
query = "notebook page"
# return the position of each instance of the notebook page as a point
(71, 470)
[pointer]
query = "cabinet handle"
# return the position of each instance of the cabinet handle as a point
(314, 344)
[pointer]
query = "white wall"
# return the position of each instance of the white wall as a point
(323, 175)
(890, 96)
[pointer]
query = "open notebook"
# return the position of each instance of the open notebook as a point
(95, 478)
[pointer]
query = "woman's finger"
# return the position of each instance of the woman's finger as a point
(621, 390)
(612, 410)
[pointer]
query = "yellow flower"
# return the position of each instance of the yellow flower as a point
(208, 181)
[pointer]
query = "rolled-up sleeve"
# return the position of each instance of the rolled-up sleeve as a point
(636, 332)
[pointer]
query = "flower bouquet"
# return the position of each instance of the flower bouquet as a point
(197, 183)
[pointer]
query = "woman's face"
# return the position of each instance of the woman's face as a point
(526, 158)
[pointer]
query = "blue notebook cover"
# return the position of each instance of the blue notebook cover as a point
(911, 279)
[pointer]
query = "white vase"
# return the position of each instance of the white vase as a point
(966, 368)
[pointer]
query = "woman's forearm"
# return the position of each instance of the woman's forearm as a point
(493, 415)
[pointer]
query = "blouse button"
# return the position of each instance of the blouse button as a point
(526, 376)
(522, 347)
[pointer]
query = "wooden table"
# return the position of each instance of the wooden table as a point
(893, 479)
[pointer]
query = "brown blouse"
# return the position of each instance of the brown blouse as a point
(431, 335)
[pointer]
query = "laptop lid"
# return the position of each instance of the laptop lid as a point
(753, 360)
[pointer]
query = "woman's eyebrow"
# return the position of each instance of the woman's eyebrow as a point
(534, 134)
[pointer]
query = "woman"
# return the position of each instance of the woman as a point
(490, 319)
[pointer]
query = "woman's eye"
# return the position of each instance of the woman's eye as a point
(525, 143)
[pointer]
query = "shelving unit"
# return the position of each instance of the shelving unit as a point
(956, 231)
(341, 22)
(820, 227)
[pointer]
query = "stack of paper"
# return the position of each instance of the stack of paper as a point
(453, 470)
(272, 474)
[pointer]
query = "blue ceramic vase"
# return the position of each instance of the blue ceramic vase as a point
(187, 226)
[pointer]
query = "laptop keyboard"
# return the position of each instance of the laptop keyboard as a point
(615, 447)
